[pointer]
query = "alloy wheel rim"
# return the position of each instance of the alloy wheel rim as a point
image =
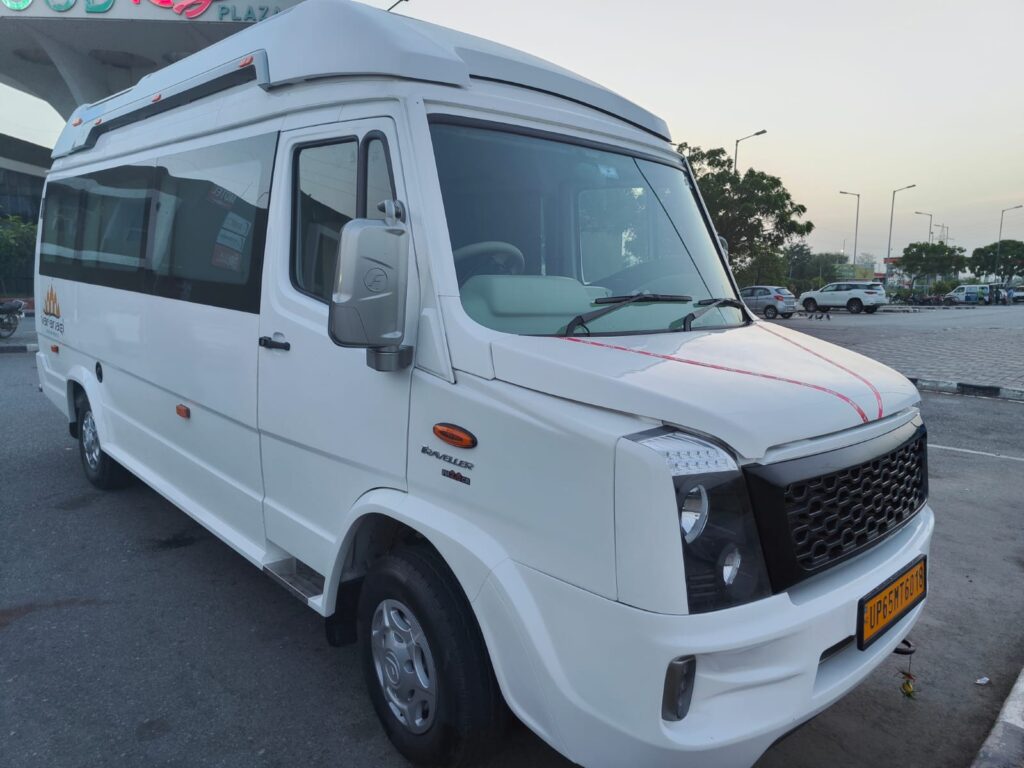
(90, 441)
(404, 665)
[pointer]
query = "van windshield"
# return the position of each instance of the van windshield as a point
(541, 230)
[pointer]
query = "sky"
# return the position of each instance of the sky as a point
(864, 97)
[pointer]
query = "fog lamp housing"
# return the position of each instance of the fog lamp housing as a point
(675, 700)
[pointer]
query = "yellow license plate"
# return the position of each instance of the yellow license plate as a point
(891, 602)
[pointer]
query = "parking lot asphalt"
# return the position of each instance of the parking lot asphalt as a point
(976, 345)
(131, 637)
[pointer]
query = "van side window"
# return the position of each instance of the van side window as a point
(328, 195)
(191, 226)
(326, 199)
(210, 207)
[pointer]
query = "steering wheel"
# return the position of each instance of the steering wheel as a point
(472, 259)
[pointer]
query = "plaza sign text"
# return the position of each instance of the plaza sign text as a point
(188, 9)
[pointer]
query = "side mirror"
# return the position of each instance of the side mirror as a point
(368, 302)
(725, 245)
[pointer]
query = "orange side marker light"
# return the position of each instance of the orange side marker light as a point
(183, 410)
(455, 435)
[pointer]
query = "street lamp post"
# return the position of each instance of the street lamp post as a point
(856, 225)
(922, 213)
(736, 152)
(999, 242)
(892, 210)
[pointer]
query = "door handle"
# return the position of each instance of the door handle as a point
(269, 343)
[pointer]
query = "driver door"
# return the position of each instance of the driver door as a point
(331, 428)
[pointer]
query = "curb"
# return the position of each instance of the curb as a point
(964, 388)
(4, 348)
(1004, 747)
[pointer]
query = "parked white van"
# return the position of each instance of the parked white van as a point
(441, 337)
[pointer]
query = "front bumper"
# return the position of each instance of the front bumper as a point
(587, 673)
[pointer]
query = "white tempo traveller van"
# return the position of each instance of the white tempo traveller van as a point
(440, 336)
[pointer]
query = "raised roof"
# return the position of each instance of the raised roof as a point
(340, 38)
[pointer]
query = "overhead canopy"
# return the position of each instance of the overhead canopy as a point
(70, 52)
(314, 39)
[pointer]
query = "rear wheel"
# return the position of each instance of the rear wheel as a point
(854, 306)
(425, 663)
(810, 305)
(770, 312)
(101, 470)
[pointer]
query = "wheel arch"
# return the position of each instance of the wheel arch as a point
(81, 381)
(383, 518)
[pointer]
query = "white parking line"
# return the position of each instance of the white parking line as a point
(976, 453)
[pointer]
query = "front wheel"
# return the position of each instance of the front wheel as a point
(770, 312)
(425, 663)
(810, 305)
(854, 306)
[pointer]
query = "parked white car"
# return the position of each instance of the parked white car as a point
(440, 337)
(855, 296)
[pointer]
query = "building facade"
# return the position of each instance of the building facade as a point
(23, 167)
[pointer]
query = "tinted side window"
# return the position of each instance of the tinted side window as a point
(210, 223)
(326, 198)
(191, 227)
(331, 189)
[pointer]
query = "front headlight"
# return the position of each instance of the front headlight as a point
(721, 548)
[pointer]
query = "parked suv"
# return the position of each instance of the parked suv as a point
(855, 296)
(770, 300)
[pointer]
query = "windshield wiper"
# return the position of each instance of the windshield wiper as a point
(617, 302)
(708, 305)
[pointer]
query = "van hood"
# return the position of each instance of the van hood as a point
(754, 387)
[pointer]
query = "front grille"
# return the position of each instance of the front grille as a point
(834, 515)
(815, 512)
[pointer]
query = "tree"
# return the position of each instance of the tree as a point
(1004, 259)
(17, 249)
(808, 270)
(926, 259)
(754, 212)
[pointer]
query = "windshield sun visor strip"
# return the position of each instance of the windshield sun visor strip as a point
(849, 401)
(840, 366)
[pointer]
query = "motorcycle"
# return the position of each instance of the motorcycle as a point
(11, 313)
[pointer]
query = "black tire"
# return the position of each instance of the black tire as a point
(470, 714)
(101, 470)
(871, 310)
(854, 306)
(810, 305)
(786, 315)
(8, 326)
(770, 312)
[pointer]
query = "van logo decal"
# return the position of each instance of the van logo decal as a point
(447, 458)
(771, 377)
(376, 280)
(51, 319)
(51, 307)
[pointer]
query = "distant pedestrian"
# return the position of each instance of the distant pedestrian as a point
(1009, 295)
